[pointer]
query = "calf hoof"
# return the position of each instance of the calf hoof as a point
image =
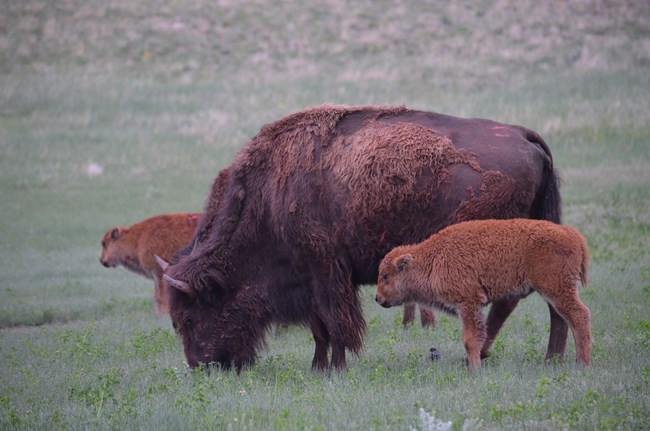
(434, 354)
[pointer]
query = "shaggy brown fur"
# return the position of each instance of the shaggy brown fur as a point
(306, 209)
(134, 248)
(467, 265)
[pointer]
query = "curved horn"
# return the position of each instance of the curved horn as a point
(180, 285)
(161, 262)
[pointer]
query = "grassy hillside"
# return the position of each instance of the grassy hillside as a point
(114, 111)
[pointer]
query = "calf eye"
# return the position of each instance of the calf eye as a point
(384, 276)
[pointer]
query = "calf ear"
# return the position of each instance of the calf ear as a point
(115, 233)
(403, 261)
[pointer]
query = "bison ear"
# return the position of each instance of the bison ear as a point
(403, 261)
(115, 233)
(161, 262)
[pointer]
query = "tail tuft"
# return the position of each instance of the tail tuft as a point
(584, 267)
(548, 203)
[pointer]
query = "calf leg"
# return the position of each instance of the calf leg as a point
(558, 335)
(578, 317)
(160, 296)
(321, 338)
(473, 333)
(409, 314)
(499, 312)
(427, 317)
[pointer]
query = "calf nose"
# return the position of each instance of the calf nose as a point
(382, 301)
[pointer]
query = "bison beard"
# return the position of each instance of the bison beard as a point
(308, 207)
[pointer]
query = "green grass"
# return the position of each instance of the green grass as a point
(162, 94)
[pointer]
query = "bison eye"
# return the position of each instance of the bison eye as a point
(384, 276)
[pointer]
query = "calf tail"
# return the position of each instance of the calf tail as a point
(548, 203)
(584, 266)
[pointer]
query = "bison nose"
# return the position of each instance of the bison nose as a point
(104, 263)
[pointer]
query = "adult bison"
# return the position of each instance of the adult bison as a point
(309, 206)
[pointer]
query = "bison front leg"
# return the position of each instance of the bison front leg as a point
(321, 338)
(473, 333)
(338, 356)
(338, 305)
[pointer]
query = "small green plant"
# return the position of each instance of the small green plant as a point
(10, 416)
(99, 394)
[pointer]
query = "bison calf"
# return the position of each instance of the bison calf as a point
(469, 264)
(135, 248)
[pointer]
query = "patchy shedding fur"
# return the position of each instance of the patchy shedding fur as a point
(134, 248)
(467, 265)
(308, 206)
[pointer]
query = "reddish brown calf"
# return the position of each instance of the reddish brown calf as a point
(467, 265)
(134, 248)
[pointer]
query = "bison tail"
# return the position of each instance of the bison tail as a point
(548, 203)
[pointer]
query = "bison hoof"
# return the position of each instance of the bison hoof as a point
(434, 354)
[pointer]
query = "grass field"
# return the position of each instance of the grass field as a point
(161, 94)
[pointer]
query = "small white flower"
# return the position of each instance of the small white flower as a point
(431, 423)
(94, 169)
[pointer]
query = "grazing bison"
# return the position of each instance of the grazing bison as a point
(308, 207)
(134, 248)
(465, 266)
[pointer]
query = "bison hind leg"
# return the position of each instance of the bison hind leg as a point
(499, 312)
(557, 337)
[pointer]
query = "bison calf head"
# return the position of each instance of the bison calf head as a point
(112, 253)
(390, 283)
